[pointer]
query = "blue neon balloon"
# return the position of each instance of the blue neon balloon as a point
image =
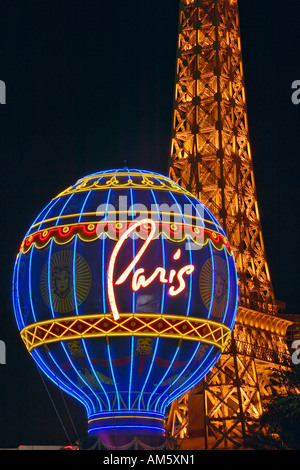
(125, 371)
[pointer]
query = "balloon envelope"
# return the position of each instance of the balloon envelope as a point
(125, 294)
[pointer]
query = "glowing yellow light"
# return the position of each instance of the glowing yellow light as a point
(129, 324)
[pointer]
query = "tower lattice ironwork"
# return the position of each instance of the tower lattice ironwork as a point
(211, 157)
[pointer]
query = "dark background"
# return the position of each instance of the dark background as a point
(89, 85)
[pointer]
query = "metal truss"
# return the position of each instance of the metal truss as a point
(211, 157)
(210, 151)
(228, 403)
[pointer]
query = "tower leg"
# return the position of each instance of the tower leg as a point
(231, 404)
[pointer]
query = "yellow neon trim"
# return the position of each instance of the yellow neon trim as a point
(68, 216)
(85, 214)
(129, 173)
(144, 183)
(126, 173)
(121, 186)
(48, 331)
(119, 221)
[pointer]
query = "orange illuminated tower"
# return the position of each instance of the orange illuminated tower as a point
(211, 157)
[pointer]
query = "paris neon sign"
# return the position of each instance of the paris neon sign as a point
(139, 279)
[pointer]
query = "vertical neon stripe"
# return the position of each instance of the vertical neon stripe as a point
(82, 396)
(228, 287)
(188, 310)
(18, 313)
(49, 278)
(76, 304)
(178, 377)
(163, 254)
(161, 309)
(213, 279)
(49, 257)
(51, 204)
(29, 283)
(104, 277)
(133, 251)
(83, 341)
(36, 354)
(198, 376)
(55, 379)
(130, 373)
(103, 258)
(133, 311)
(237, 296)
(113, 378)
(74, 274)
(147, 378)
(14, 292)
(50, 296)
(188, 304)
(163, 378)
(191, 261)
(74, 255)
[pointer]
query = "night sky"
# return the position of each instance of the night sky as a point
(90, 85)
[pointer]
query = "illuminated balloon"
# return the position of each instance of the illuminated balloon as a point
(125, 294)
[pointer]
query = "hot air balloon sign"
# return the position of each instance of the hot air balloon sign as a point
(125, 295)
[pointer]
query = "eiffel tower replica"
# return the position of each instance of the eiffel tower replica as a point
(211, 157)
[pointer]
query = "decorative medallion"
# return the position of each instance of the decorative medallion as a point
(214, 279)
(60, 281)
